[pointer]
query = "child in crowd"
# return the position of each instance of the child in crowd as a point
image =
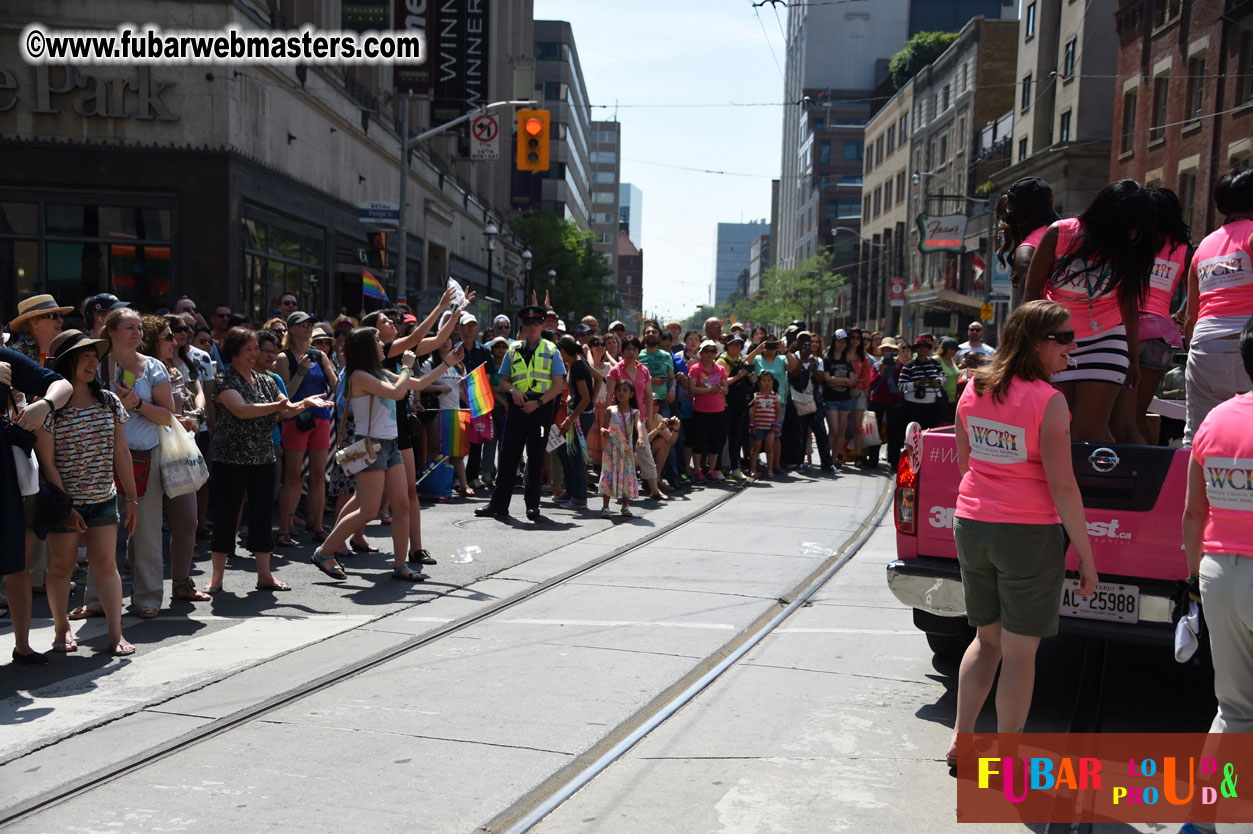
(765, 419)
(622, 431)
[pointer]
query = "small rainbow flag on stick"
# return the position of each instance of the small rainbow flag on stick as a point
(478, 391)
(454, 432)
(372, 287)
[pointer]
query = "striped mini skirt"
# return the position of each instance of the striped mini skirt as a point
(1101, 357)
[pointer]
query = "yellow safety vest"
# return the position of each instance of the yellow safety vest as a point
(536, 376)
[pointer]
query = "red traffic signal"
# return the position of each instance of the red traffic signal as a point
(534, 136)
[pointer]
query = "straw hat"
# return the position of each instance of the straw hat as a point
(70, 341)
(37, 305)
(889, 343)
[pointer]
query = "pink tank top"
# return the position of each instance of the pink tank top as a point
(1224, 270)
(1164, 280)
(1224, 448)
(1005, 480)
(1088, 295)
(1033, 239)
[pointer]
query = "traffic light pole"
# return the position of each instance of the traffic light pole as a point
(408, 144)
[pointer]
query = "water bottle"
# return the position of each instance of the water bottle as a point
(465, 555)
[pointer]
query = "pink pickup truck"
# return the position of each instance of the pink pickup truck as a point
(1134, 500)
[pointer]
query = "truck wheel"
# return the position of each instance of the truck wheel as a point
(950, 646)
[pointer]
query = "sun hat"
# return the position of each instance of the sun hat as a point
(888, 343)
(71, 340)
(322, 330)
(37, 305)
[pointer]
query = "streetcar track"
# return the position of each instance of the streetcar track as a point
(254, 712)
(531, 809)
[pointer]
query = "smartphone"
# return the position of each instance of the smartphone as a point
(312, 354)
(126, 377)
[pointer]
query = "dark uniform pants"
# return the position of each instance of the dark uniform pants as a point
(522, 430)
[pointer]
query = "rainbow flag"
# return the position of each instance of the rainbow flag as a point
(478, 391)
(454, 432)
(372, 287)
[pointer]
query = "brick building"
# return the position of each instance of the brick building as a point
(1183, 106)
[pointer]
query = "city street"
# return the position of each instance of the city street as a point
(821, 727)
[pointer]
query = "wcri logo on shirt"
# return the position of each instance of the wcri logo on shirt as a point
(1229, 483)
(996, 442)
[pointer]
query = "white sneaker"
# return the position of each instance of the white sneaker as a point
(737, 475)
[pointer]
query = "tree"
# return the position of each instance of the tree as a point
(786, 296)
(559, 244)
(919, 51)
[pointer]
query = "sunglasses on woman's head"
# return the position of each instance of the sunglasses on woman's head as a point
(1062, 337)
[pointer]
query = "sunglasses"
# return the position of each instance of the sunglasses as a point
(167, 337)
(179, 329)
(1062, 337)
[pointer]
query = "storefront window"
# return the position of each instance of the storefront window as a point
(281, 255)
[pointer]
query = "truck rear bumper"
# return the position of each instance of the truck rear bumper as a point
(935, 586)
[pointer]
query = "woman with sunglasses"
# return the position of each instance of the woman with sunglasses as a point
(1097, 265)
(1017, 493)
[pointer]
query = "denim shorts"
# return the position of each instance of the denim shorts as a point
(100, 514)
(759, 435)
(1155, 354)
(838, 405)
(386, 457)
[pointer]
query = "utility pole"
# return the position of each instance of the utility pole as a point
(406, 145)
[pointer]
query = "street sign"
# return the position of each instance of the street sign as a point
(942, 234)
(485, 137)
(896, 289)
(985, 312)
(375, 213)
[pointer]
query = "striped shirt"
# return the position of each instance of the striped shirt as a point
(767, 413)
(913, 378)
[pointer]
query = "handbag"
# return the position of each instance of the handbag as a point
(870, 431)
(23, 443)
(482, 429)
(804, 400)
(357, 456)
(305, 421)
(141, 463)
(183, 467)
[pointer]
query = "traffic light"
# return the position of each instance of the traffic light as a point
(533, 140)
(376, 250)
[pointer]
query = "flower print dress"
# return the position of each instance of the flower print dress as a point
(617, 472)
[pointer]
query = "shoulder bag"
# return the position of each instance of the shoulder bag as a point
(357, 456)
(23, 443)
(804, 399)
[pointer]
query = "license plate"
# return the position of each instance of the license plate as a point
(1119, 603)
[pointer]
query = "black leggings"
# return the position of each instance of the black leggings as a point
(231, 481)
(737, 434)
(708, 431)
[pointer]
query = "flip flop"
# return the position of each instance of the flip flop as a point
(65, 646)
(276, 585)
(82, 612)
(123, 649)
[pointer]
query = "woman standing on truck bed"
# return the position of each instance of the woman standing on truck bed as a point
(1097, 266)
(1013, 451)
(1023, 214)
(1220, 299)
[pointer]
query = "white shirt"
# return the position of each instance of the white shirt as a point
(964, 348)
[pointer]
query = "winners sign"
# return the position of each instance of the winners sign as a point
(942, 234)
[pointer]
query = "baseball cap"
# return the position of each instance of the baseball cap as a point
(300, 317)
(841, 333)
(1028, 189)
(735, 337)
(921, 340)
(617, 325)
(468, 318)
(581, 329)
(102, 303)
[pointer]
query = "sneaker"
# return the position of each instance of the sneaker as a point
(738, 475)
(1189, 828)
(573, 505)
(716, 476)
(684, 480)
(698, 477)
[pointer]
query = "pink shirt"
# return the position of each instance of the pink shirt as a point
(643, 383)
(1155, 320)
(1033, 239)
(1224, 448)
(701, 378)
(1089, 296)
(1224, 270)
(1005, 479)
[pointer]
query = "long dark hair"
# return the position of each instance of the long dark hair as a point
(173, 320)
(67, 366)
(634, 402)
(1018, 215)
(361, 352)
(1170, 223)
(1016, 356)
(1118, 236)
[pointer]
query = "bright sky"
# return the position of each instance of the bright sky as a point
(696, 53)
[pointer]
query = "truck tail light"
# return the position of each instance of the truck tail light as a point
(906, 500)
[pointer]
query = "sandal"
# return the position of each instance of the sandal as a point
(187, 590)
(82, 612)
(147, 612)
(65, 646)
(626, 513)
(360, 548)
(123, 649)
(286, 540)
(276, 585)
(212, 590)
(319, 561)
(407, 574)
(318, 536)
(606, 513)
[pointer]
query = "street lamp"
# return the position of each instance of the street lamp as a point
(526, 269)
(490, 231)
(552, 278)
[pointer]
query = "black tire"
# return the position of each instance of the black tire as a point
(950, 646)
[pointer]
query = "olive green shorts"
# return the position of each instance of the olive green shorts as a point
(1012, 574)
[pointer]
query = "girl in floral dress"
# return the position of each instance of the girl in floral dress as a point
(621, 429)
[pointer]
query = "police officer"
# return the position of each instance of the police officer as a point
(533, 376)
